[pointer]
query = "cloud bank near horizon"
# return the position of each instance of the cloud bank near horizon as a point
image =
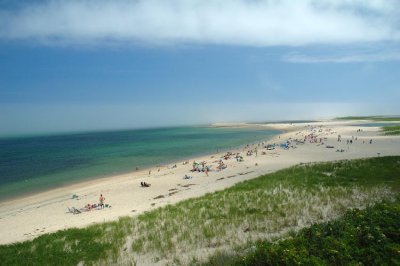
(257, 23)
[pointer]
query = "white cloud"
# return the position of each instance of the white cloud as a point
(234, 22)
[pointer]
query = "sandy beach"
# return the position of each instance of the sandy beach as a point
(28, 217)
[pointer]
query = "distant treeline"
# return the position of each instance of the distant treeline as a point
(373, 118)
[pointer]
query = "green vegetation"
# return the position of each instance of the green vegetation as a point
(266, 208)
(67, 247)
(360, 237)
(372, 118)
(391, 130)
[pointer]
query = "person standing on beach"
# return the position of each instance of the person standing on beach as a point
(102, 199)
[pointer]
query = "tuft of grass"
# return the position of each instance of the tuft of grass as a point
(391, 130)
(266, 208)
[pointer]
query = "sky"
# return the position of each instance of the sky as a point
(71, 65)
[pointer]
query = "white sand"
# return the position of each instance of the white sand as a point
(29, 217)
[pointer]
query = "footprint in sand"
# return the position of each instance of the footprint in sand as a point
(246, 173)
(172, 193)
(159, 197)
(188, 185)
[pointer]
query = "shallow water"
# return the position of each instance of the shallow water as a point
(378, 124)
(33, 164)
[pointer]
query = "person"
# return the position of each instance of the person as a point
(102, 199)
(144, 184)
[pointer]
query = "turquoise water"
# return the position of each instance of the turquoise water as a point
(32, 164)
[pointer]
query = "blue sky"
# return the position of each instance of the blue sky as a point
(83, 65)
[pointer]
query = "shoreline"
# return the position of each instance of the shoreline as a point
(26, 191)
(91, 180)
(46, 212)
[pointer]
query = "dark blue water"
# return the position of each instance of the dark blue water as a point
(33, 164)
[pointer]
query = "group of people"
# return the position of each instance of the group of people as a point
(221, 165)
(89, 206)
(227, 156)
(201, 167)
(144, 184)
(353, 139)
(239, 158)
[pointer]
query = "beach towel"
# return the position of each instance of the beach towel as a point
(74, 210)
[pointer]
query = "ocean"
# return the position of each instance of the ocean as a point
(32, 164)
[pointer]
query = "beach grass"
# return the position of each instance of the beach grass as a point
(361, 237)
(230, 221)
(391, 130)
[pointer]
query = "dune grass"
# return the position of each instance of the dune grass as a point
(265, 208)
(391, 130)
(361, 237)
